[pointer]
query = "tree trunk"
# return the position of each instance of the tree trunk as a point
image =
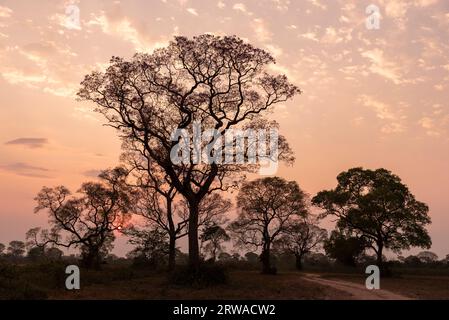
(172, 253)
(384, 271)
(265, 258)
(298, 261)
(379, 261)
(214, 254)
(91, 260)
(194, 250)
(172, 236)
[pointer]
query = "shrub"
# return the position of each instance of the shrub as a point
(207, 275)
(15, 287)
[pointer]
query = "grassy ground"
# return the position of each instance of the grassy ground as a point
(124, 282)
(47, 281)
(241, 285)
(413, 286)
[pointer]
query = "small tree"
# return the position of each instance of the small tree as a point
(87, 221)
(251, 257)
(224, 257)
(300, 238)
(161, 210)
(427, 257)
(213, 236)
(267, 206)
(445, 259)
(53, 254)
(345, 249)
(16, 249)
(412, 261)
(36, 254)
(376, 205)
(152, 245)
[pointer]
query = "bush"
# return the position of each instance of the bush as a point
(207, 275)
(271, 270)
(15, 287)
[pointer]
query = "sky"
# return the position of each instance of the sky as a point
(372, 97)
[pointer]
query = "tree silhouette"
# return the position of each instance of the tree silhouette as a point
(446, 259)
(157, 205)
(88, 221)
(2, 248)
(161, 210)
(376, 205)
(155, 200)
(53, 254)
(16, 249)
(220, 82)
(267, 206)
(224, 257)
(36, 254)
(251, 257)
(427, 256)
(151, 245)
(300, 238)
(343, 248)
(213, 236)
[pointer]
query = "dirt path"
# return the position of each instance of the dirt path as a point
(357, 291)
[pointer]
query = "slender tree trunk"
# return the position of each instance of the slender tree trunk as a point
(172, 237)
(298, 261)
(194, 250)
(214, 254)
(172, 252)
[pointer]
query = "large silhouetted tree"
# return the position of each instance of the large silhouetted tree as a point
(87, 221)
(267, 206)
(220, 82)
(376, 205)
(300, 238)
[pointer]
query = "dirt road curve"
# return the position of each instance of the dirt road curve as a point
(357, 291)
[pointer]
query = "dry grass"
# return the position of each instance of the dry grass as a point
(413, 286)
(123, 282)
(242, 285)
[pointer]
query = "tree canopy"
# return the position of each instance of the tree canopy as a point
(376, 205)
(220, 82)
(87, 221)
(267, 206)
(300, 238)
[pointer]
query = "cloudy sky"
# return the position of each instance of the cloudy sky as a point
(372, 97)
